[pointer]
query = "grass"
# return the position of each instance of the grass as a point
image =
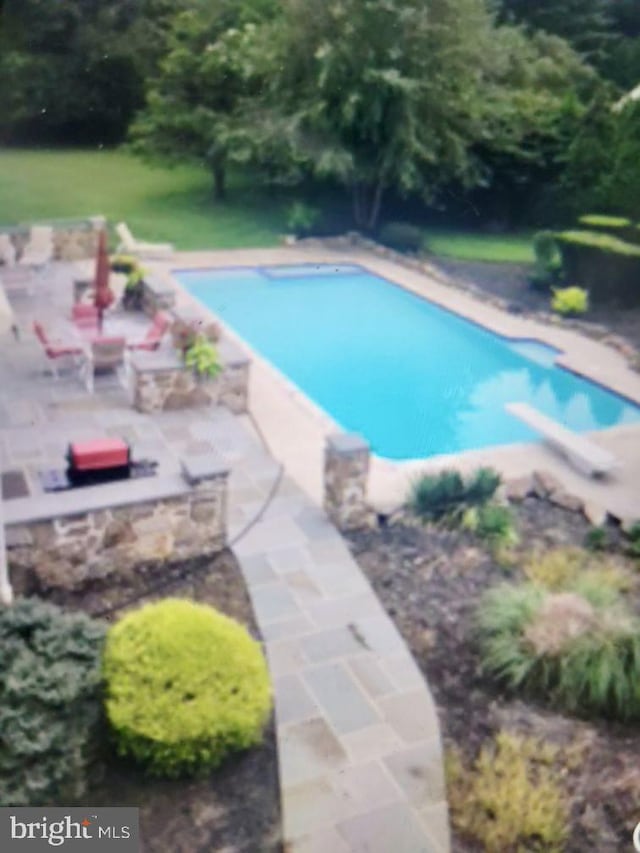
(161, 204)
(474, 246)
(177, 205)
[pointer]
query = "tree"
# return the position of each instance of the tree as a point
(382, 94)
(75, 71)
(585, 24)
(378, 95)
(209, 72)
(603, 161)
(544, 92)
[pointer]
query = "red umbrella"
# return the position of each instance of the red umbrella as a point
(103, 294)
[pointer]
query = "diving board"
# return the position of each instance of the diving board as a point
(587, 456)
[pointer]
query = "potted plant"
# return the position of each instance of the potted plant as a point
(185, 332)
(133, 289)
(123, 263)
(202, 357)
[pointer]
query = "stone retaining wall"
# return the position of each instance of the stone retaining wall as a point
(162, 382)
(68, 552)
(72, 241)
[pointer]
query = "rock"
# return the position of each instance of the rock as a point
(118, 532)
(594, 513)
(44, 534)
(205, 511)
(566, 501)
(518, 489)
(18, 535)
(545, 483)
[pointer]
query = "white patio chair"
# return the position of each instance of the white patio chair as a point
(130, 246)
(7, 251)
(39, 250)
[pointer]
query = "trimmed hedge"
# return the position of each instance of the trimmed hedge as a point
(614, 226)
(609, 268)
(185, 686)
(50, 702)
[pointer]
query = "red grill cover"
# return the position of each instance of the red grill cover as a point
(99, 454)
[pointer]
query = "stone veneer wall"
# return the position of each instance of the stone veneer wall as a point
(162, 383)
(67, 552)
(346, 470)
(72, 241)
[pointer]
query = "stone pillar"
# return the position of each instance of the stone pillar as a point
(346, 469)
(234, 378)
(155, 376)
(207, 475)
(157, 295)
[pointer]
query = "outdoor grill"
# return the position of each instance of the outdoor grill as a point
(98, 461)
(90, 463)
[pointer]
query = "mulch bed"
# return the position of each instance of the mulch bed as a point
(235, 809)
(430, 580)
(511, 282)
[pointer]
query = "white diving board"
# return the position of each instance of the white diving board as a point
(587, 456)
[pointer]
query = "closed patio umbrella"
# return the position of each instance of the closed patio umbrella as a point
(103, 297)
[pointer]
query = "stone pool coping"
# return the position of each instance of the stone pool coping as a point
(296, 427)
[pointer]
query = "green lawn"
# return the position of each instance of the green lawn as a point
(173, 205)
(176, 205)
(471, 246)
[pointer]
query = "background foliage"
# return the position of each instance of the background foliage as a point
(497, 112)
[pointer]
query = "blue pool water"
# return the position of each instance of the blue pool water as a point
(412, 378)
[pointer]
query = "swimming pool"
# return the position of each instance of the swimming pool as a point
(414, 379)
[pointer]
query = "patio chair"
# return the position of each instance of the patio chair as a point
(107, 354)
(85, 316)
(129, 245)
(7, 251)
(56, 351)
(39, 250)
(155, 334)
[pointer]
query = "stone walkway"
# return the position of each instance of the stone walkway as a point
(358, 738)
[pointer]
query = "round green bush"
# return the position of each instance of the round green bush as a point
(50, 702)
(185, 686)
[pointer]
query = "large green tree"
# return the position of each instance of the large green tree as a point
(212, 76)
(409, 96)
(602, 172)
(377, 95)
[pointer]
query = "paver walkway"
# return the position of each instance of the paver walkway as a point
(358, 738)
